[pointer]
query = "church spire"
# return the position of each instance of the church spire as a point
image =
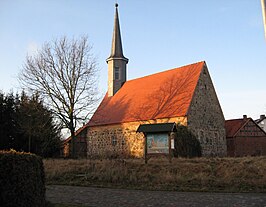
(116, 50)
(116, 61)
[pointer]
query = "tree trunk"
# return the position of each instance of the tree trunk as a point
(73, 141)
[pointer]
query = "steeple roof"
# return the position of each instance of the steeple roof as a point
(116, 50)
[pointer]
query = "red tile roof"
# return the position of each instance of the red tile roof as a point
(76, 133)
(161, 95)
(234, 125)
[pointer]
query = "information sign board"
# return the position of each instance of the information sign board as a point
(157, 143)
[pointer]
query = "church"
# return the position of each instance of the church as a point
(184, 96)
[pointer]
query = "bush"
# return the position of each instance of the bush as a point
(22, 179)
(186, 144)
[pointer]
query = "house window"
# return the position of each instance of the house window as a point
(114, 141)
(117, 75)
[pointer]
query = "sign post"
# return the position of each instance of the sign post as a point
(157, 141)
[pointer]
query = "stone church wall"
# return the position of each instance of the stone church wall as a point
(115, 141)
(120, 140)
(205, 118)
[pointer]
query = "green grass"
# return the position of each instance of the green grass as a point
(199, 174)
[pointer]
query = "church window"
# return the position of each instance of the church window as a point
(116, 73)
(114, 141)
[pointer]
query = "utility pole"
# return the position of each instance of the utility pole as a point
(263, 3)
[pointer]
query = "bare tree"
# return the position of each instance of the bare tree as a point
(64, 72)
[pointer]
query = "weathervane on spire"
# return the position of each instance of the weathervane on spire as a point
(116, 4)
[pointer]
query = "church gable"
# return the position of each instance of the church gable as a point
(205, 99)
(162, 95)
(205, 116)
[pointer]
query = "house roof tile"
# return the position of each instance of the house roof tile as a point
(262, 118)
(76, 133)
(234, 125)
(161, 95)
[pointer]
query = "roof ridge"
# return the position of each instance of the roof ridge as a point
(203, 61)
(237, 119)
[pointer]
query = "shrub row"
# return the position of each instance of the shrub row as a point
(22, 179)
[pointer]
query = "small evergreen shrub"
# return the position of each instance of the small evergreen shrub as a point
(22, 180)
(186, 144)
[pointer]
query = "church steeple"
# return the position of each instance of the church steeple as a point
(116, 61)
(116, 50)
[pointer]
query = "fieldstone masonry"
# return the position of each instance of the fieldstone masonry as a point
(205, 117)
(120, 140)
(115, 141)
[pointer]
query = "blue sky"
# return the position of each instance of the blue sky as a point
(157, 35)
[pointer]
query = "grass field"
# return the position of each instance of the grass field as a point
(200, 174)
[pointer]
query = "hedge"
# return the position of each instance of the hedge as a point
(22, 179)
